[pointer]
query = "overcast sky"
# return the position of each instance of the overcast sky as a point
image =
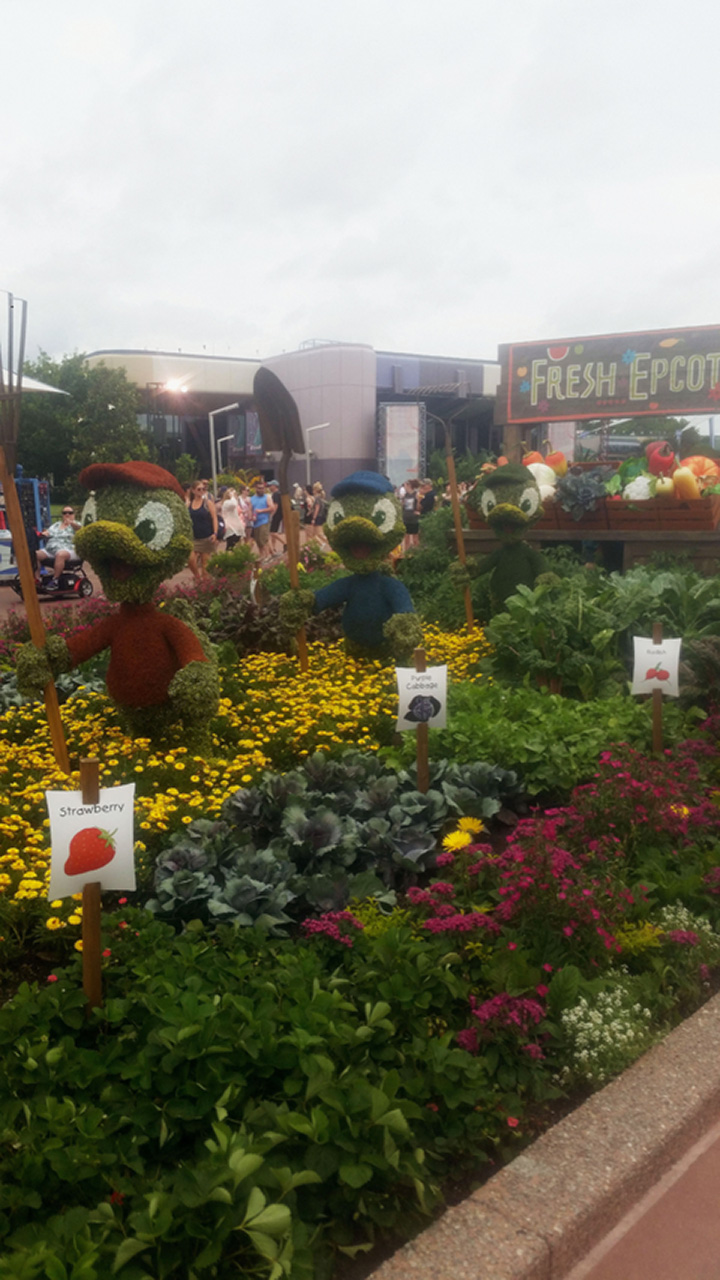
(432, 176)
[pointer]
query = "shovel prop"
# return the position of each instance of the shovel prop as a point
(281, 432)
(11, 390)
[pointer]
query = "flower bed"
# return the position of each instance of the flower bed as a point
(268, 1107)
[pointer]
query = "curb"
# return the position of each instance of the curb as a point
(539, 1216)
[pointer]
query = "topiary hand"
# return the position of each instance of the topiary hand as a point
(460, 575)
(403, 634)
(194, 692)
(36, 667)
(296, 607)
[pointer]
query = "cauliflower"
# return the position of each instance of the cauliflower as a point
(639, 489)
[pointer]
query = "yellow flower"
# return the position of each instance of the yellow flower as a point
(79, 945)
(471, 824)
(457, 840)
(53, 922)
(74, 919)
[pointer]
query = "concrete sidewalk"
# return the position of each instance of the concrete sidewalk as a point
(569, 1193)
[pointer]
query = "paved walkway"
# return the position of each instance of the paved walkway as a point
(625, 1188)
(673, 1233)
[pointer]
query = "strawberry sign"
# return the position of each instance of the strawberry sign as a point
(91, 841)
(656, 666)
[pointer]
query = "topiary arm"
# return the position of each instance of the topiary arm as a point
(296, 607)
(36, 667)
(194, 692)
(461, 575)
(403, 633)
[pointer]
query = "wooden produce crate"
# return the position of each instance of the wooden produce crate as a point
(548, 519)
(646, 514)
(590, 521)
(691, 513)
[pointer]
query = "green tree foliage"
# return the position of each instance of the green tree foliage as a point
(96, 421)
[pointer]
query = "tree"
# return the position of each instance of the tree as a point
(95, 422)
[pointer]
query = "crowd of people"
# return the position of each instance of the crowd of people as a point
(253, 516)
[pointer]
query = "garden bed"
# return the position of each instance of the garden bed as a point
(352, 998)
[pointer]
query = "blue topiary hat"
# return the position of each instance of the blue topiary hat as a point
(362, 482)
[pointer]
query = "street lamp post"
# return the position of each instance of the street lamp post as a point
(319, 427)
(219, 450)
(226, 408)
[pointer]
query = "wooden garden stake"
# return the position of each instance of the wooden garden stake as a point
(10, 395)
(459, 538)
(92, 972)
(657, 701)
(423, 763)
(293, 549)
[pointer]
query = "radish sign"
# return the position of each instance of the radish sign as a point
(656, 666)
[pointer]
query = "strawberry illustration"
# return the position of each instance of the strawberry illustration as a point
(89, 849)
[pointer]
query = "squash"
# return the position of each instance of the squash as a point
(686, 484)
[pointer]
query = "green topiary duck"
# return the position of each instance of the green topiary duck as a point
(364, 522)
(509, 499)
(135, 532)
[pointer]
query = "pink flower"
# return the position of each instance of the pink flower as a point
(52, 977)
(468, 1039)
(106, 953)
(445, 860)
(513, 1122)
(542, 990)
(432, 1106)
(548, 968)
(512, 946)
(122, 901)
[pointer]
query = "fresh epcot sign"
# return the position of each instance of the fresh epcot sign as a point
(612, 376)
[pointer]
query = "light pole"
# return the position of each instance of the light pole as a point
(226, 408)
(319, 427)
(219, 450)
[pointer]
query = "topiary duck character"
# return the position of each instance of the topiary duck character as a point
(510, 501)
(135, 532)
(363, 525)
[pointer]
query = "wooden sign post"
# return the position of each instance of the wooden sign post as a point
(657, 701)
(423, 762)
(91, 901)
(457, 519)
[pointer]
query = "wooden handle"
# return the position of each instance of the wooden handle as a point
(32, 608)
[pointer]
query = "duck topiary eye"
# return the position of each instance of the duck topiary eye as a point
(154, 525)
(487, 502)
(384, 514)
(336, 513)
(89, 511)
(529, 501)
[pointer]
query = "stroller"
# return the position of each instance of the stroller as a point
(73, 582)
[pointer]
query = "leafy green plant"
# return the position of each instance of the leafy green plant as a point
(553, 742)
(558, 633)
(317, 836)
(580, 491)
